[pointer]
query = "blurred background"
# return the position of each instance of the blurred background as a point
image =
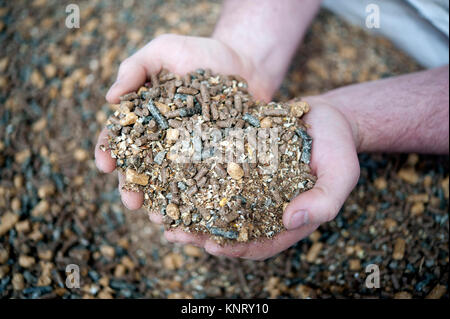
(57, 209)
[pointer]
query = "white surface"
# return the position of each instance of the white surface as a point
(418, 27)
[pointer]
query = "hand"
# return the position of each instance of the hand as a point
(334, 161)
(179, 54)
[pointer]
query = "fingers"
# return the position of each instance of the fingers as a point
(155, 217)
(179, 236)
(324, 200)
(103, 159)
(132, 200)
(133, 73)
(263, 249)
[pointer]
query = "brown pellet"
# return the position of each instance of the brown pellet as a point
(275, 112)
(202, 181)
(173, 114)
(190, 182)
(221, 172)
(246, 168)
(179, 104)
(163, 174)
(153, 136)
(245, 107)
(187, 90)
(204, 92)
(192, 190)
(239, 124)
(287, 136)
(195, 84)
(238, 103)
(129, 96)
(187, 79)
(174, 187)
(225, 123)
(152, 126)
(214, 111)
(154, 80)
(167, 77)
(189, 101)
(206, 112)
(170, 88)
(175, 123)
(201, 172)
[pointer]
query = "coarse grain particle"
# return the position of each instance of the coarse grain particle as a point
(46, 190)
(399, 249)
(172, 135)
(235, 170)
(229, 234)
(129, 97)
(315, 236)
(126, 107)
(16, 204)
(251, 119)
(134, 177)
(390, 224)
(380, 183)
(409, 175)
(172, 211)
(313, 252)
(243, 234)
(17, 281)
(22, 156)
(159, 118)
(266, 122)
(119, 271)
(26, 261)
(128, 119)
(306, 145)
(417, 209)
(4, 271)
(81, 154)
(275, 112)
(7, 221)
(163, 108)
(192, 251)
(298, 109)
(402, 295)
(23, 226)
(173, 261)
(39, 125)
(437, 292)
(108, 251)
(305, 292)
(355, 264)
(4, 255)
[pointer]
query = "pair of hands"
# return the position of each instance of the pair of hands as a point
(334, 157)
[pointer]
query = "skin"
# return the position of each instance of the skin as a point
(401, 114)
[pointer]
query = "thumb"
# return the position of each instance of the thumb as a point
(133, 73)
(323, 202)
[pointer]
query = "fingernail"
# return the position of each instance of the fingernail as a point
(298, 219)
(112, 86)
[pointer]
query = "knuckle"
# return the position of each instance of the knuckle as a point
(125, 63)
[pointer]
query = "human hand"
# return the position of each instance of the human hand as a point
(179, 54)
(334, 161)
